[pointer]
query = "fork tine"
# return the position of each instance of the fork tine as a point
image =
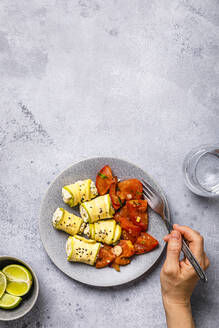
(146, 194)
(149, 188)
(146, 189)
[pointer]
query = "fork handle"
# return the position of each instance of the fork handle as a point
(187, 252)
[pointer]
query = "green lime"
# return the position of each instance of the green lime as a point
(3, 283)
(8, 301)
(19, 279)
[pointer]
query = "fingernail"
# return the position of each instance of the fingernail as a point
(176, 224)
(175, 234)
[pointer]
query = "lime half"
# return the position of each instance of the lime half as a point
(8, 301)
(3, 283)
(19, 279)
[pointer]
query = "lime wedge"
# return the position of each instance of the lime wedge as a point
(9, 301)
(19, 279)
(3, 283)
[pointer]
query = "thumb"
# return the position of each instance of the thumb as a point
(174, 248)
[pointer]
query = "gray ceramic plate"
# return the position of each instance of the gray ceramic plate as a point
(54, 240)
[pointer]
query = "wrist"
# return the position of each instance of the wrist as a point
(178, 314)
(169, 302)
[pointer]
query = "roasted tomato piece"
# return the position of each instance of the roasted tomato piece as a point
(123, 212)
(137, 212)
(104, 179)
(115, 266)
(115, 199)
(127, 248)
(105, 257)
(128, 226)
(122, 261)
(126, 236)
(130, 189)
(145, 243)
(127, 251)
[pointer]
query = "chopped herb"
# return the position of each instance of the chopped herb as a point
(103, 176)
(120, 201)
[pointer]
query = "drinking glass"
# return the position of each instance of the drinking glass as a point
(201, 170)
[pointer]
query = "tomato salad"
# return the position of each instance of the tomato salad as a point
(131, 214)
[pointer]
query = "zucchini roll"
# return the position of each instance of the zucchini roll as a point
(79, 192)
(80, 249)
(105, 231)
(68, 222)
(99, 208)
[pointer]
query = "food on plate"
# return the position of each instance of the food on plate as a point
(145, 243)
(104, 179)
(79, 192)
(80, 249)
(124, 191)
(105, 257)
(68, 222)
(129, 227)
(104, 231)
(124, 253)
(115, 222)
(130, 189)
(116, 200)
(136, 212)
(15, 281)
(99, 208)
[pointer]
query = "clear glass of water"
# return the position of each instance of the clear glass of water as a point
(201, 170)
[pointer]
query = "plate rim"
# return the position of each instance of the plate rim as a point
(40, 215)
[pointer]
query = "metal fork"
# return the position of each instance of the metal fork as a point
(157, 204)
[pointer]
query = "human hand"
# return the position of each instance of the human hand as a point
(178, 278)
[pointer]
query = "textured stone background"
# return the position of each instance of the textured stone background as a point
(136, 80)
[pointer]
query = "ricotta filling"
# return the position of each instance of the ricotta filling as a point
(68, 247)
(82, 227)
(57, 216)
(84, 214)
(93, 188)
(87, 231)
(66, 195)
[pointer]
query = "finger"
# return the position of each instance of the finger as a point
(166, 238)
(196, 241)
(173, 250)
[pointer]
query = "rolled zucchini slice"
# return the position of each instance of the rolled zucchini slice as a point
(117, 234)
(79, 192)
(105, 231)
(97, 209)
(80, 249)
(68, 222)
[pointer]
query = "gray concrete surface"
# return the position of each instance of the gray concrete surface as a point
(136, 80)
